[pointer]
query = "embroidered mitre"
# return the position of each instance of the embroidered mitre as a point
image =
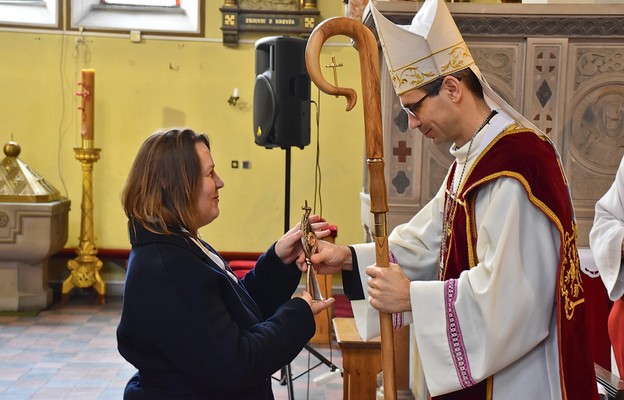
(419, 53)
(429, 48)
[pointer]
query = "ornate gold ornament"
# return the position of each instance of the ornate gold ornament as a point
(570, 280)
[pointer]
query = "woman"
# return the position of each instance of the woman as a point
(190, 327)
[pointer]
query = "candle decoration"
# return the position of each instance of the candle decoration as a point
(88, 110)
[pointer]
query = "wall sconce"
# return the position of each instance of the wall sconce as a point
(234, 97)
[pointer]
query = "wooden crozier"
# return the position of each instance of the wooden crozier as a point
(369, 63)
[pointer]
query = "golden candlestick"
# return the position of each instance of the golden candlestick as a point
(85, 268)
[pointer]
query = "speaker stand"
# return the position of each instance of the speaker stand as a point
(286, 377)
(287, 191)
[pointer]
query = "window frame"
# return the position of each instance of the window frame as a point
(81, 16)
(36, 14)
(126, 2)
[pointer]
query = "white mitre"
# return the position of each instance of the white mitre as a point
(429, 48)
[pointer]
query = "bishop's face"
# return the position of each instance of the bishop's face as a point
(433, 115)
(208, 196)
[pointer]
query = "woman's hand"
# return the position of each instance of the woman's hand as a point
(317, 306)
(288, 247)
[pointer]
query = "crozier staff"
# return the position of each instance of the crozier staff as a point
(369, 65)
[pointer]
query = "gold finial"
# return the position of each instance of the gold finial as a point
(12, 149)
(19, 183)
(334, 66)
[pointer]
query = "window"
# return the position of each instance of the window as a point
(30, 13)
(156, 17)
(156, 3)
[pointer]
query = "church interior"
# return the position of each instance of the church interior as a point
(81, 95)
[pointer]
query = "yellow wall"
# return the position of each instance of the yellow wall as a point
(141, 87)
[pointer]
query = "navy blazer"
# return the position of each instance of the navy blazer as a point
(195, 333)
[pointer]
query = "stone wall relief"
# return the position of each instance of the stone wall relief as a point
(499, 64)
(597, 107)
(597, 127)
(545, 74)
(595, 120)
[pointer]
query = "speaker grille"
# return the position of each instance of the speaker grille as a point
(264, 111)
(281, 93)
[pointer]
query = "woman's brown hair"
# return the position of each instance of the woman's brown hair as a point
(162, 186)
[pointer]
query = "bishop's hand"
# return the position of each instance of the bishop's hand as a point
(331, 258)
(388, 289)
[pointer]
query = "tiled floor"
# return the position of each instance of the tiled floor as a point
(70, 352)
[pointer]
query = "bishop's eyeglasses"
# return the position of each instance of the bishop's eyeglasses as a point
(412, 109)
(434, 89)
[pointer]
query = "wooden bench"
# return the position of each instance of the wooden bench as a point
(361, 361)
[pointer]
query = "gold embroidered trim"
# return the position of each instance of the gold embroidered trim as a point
(570, 280)
(471, 234)
(459, 57)
(412, 76)
(490, 388)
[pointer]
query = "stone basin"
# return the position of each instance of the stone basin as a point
(29, 234)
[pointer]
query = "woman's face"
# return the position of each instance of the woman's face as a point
(208, 196)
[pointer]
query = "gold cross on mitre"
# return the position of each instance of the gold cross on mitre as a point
(335, 67)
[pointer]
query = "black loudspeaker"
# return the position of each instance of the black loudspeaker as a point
(281, 104)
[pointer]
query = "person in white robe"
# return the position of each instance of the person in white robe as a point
(606, 240)
(501, 327)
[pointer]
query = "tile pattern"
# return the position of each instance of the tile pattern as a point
(70, 352)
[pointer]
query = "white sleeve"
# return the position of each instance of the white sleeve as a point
(510, 290)
(606, 235)
(416, 246)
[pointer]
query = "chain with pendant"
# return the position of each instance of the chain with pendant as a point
(450, 204)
